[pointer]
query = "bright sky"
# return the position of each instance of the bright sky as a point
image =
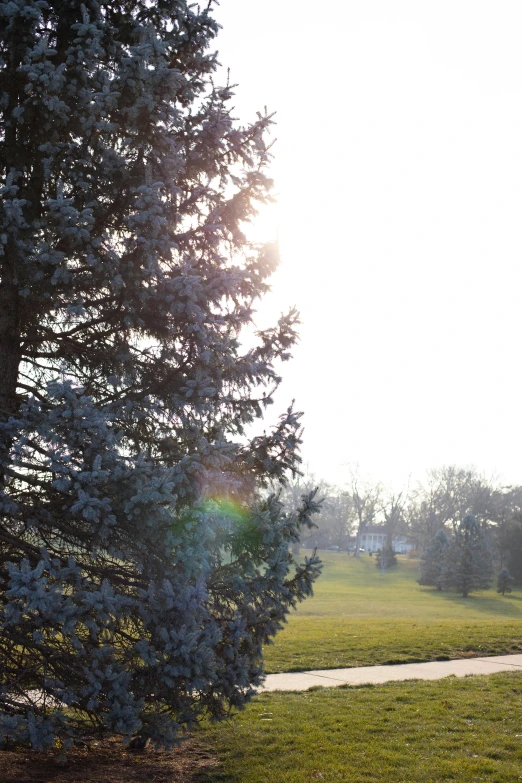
(398, 168)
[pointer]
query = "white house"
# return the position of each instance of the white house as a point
(402, 545)
(374, 538)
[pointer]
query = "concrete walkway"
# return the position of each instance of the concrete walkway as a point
(433, 670)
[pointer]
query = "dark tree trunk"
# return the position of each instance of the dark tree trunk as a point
(10, 354)
(10, 327)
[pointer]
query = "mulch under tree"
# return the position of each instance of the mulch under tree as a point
(108, 762)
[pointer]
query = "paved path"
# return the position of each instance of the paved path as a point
(433, 670)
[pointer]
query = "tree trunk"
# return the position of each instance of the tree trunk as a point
(10, 329)
(10, 354)
(356, 553)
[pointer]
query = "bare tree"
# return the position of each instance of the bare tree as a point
(448, 494)
(337, 517)
(394, 514)
(365, 500)
(425, 515)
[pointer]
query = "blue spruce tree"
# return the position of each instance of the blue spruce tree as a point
(504, 582)
(142, 564)
(432, 562)
(468, 564)
(385, 558)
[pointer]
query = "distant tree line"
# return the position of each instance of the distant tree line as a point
(467, 527)
(433, 514)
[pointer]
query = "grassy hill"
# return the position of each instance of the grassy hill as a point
(360, 617)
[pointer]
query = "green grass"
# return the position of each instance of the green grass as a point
(359, 617)
(416, 732)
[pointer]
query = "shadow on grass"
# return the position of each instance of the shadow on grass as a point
(505, 606)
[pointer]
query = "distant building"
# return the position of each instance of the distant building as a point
(375, 536)
(402, 544)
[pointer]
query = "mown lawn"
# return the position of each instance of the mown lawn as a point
(416, 732)
(360, 617)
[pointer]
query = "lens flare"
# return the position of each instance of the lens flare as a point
(226, 507)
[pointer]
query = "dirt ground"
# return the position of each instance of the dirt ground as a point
(108, 762)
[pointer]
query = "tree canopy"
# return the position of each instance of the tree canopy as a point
(141, 567)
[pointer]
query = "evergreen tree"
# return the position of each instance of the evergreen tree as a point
(504, 582)
(385, 558)
(432, 561)
(141, 567)
(468, 564)
(510, 545)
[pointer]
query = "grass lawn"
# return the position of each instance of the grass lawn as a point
(360, 617)
(417, 732)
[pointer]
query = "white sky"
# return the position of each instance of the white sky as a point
(399, 172)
